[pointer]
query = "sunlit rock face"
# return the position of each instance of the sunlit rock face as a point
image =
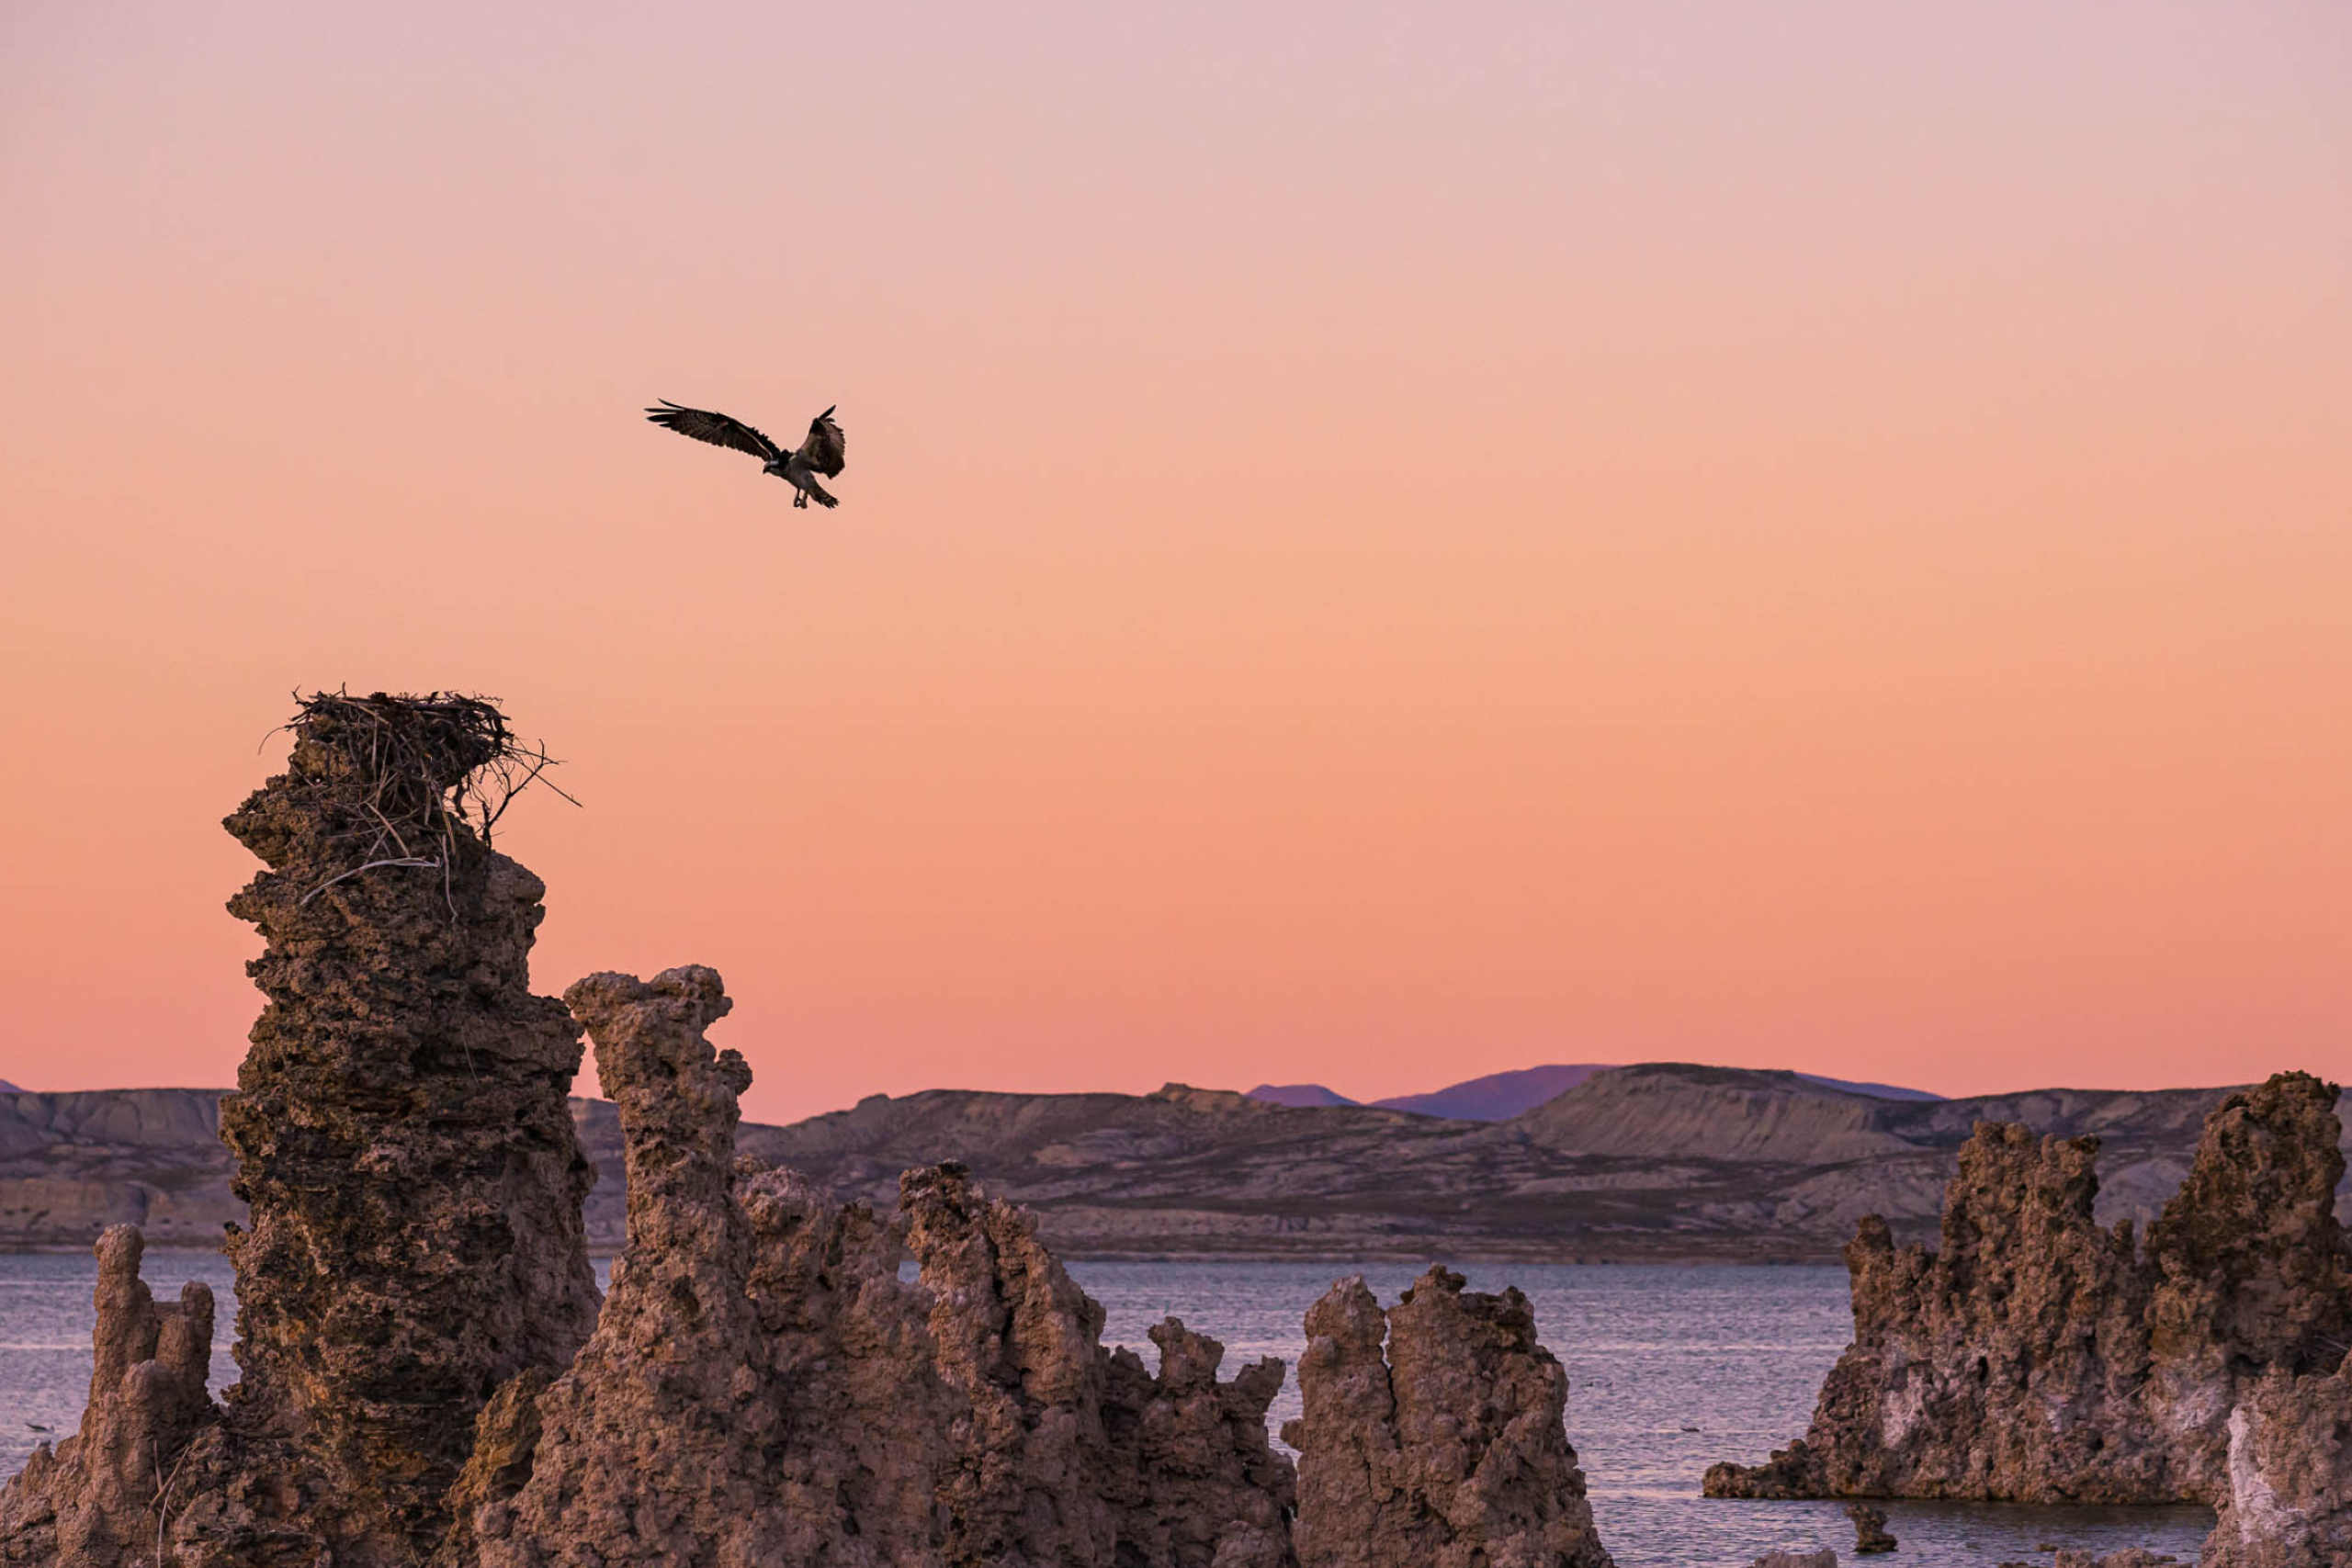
(1447, 1447)
(2036, 1357)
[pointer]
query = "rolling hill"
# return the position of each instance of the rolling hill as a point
(1498, 1097)
(1659, 1161)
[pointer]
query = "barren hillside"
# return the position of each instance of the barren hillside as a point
(1652, 1162)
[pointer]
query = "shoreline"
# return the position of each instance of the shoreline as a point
(1482, 1257)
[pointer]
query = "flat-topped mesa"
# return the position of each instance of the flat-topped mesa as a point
(400, 1124)
(762, 1386)
(1451, 1450)
(2034, 1357)
(94, 1501)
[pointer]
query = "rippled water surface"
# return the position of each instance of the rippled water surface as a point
(1736, 1354)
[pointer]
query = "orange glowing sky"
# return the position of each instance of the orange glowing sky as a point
(1380, 544)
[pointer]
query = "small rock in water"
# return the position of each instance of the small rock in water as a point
(1870, 1529)
(1825, 1558)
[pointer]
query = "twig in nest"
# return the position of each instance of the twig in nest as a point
(163, 1489)
(397, 860)
(414, 773)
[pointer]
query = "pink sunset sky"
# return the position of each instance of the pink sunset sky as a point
(1379, 543)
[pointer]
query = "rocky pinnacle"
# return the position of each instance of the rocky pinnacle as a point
(400, 1127)
(1450, 1451)
(96, 1500)
(2035, 1357)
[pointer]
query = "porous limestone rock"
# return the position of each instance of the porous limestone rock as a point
(401, 1129)
(763, 1388)
(2027, 1306)
(651, 1442)
(1870, 1530)
(2250, 1274)
(1449, 1450)
(428, 1375)
(1193, 1474)
(101, 1498)
(2035, 1357)
(1065, 1453)
(2289, 1502)
(402, 1141)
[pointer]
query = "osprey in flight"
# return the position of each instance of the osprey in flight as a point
(820, 455)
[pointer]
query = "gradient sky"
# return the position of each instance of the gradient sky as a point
(1379, 545)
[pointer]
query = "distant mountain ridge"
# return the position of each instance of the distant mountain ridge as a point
(1300, 1096)
(1498, 1097)
(1652, 1162)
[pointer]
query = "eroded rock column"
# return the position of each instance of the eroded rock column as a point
(2034, 1357)
(96, 1501)
(1963, 1357)
(651, 1445)
(399, 1125)
(1451, 1449)
(1062, 1452)
(2248, 1272)
(763, 1388)
(2289, 1465)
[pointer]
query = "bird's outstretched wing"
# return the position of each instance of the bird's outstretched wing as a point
(822, 451)
(718, 429)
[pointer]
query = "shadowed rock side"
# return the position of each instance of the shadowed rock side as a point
(2036, 1357)
(1451, 1452)
(763, 1388)
(93, 1500)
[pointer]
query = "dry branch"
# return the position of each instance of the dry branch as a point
(414, 775)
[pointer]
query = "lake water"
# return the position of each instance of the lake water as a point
(1737, 1353)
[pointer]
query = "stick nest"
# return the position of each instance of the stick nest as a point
(414, 777)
